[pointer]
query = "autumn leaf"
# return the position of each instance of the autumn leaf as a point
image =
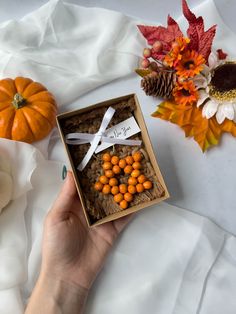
(229, 127)
(206, 132)
(143, 72)
(221, 54)
(200, 40)
(173, 27)
(166, 35)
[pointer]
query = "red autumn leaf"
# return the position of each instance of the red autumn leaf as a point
(200, 40)
(221, 54)
(205, 43)
(164, 34)
(173, 27)
(151, 33)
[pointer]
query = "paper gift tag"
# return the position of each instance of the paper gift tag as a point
(122, 130)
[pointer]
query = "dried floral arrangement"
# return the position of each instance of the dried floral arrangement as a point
(197, 83)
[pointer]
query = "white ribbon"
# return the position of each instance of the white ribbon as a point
(94, 139)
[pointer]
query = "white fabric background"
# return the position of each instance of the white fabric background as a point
(36, 182)
(168, 260)
(70, 49)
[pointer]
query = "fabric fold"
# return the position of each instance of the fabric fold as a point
(168, 260)
(70, 49)
(206, 250)
(37, 182)
(168, 273)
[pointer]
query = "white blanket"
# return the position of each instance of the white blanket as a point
(168, 260)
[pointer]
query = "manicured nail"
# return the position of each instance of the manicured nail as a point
(64, 172)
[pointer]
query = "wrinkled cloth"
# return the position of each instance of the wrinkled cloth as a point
(36, 184)
(168, 260)
(70, 49)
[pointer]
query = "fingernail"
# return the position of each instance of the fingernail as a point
(64, 172)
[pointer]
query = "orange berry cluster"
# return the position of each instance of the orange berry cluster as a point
(130, 165)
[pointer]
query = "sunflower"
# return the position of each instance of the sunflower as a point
(175, 55)
(190, 64)
(217, 91)
(185, 93)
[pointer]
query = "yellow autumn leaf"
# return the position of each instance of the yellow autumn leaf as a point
(206, 132)
(143, 72)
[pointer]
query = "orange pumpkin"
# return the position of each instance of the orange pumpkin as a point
(27, 110)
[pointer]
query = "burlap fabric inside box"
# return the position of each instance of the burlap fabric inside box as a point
(99, 205)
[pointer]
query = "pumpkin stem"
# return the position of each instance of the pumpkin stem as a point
(18, 101)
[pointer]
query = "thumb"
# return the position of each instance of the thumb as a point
(66, 197)
(121, 223)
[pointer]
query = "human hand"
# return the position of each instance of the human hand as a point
(72, 253)
(71, 250)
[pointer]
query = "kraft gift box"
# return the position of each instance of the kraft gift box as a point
(99, 208)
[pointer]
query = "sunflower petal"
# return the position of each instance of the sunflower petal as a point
(202, 96)
(205, 72)
(209, 109)
(234, 105)
(213, 60)
(228, 111)
(200, 81)
(220, 116)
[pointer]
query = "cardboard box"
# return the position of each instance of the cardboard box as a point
(146, 143)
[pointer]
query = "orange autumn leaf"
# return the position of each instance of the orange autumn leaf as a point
(206, 132)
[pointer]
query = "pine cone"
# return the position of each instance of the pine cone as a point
(161, 84)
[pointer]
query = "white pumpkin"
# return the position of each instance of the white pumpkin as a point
(6, 183)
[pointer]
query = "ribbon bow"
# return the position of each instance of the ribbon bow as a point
(95, 139)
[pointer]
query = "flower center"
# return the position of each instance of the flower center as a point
(188, 64)
(185, 92)
(224, 77)
(223, 82)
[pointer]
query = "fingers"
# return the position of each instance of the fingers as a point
(120, 223)
(66, 196)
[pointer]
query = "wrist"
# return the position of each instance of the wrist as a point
(52, 295)
(62, 291)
